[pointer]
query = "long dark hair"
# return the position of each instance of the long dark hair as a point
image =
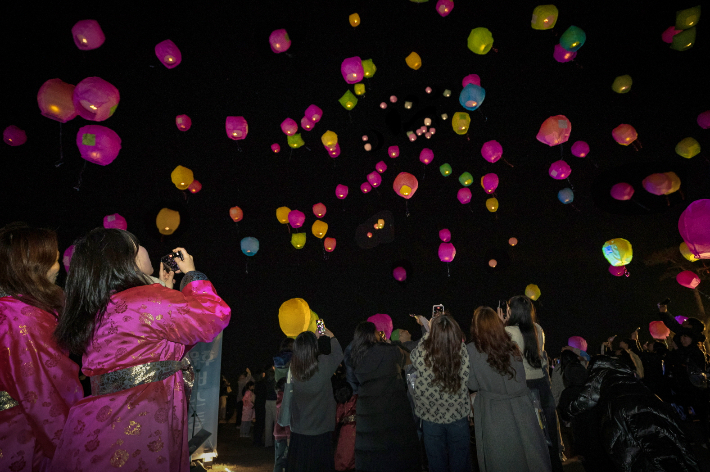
(103, 264)
(442, 353)
(304, 362)
(26, 255)
(522, 315)
(489, 336)
(365, 337)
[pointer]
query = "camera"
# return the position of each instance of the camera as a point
(437, 310)
(169, 261)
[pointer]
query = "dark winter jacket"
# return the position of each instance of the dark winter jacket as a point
(639, 431)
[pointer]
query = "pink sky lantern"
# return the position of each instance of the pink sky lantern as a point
(405, 185)
(352, 70)
(445, 235)
(580, 149)
(383, 323)
(681, 319)
(657, 184)
(279, 41)
(622, 191)
(381, 167)
(314, 113)
(296, 218)
(374, 178)
(168, 54)
(562, 55)
(617, 271)
(668, 34)
(275, 148)
(444, 7)
(319, 210)
(447, 252)
(704, 119)
(14, 136)
(341, 191)
(236, 214)
(307, 124)
(554, 130)
(393, 151)
(98, 144)
(115, 221)
(95, 99)
(66, 257)
(579, 342)
(329, 244)
(560, 170)
(289, 127)
(335, 152)
(183, 122)
(624, 134)
(55, 100)
(687, 278)
(464, 195)
(693, 227)
(87, 35)
(658, 330)
(365, 187)
(195, 186)
(471, 79)
(489, 182)
(236, 127)
(399, 274)
(492, 151)
(426, 156)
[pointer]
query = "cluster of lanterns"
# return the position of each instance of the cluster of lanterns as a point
(184, 179)
(296, 219)
(681, 36)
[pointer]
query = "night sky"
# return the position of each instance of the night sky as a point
(228, 69)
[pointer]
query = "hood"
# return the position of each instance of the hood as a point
(282, 359)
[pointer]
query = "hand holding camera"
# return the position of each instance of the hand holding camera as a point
(178, 261)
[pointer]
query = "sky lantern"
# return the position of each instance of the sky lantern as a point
(182, 177)
(168, 54)
(445, 235)
(289, 127)
(183, 122)
(618, 252)
(444, 7)
(675, 182)
(688, 18)
(195, 186)
(513, 241)
(329, 139)
(319, 210)
(167, 221)
(480, 40)
(669, 33)
(313, 113)
(95, 99)
(335, 152)
(66, 257)
(472, 96)
(348, 100)
(693, 227)
(279, 41)
(374, 178)
(446, 170)
(359, 89)
(249, 246)
(393, 151)
(282, 214)
(578, 342)
(492, 151)
(489, 182)
(532, 291)
(464, 195)
(341, 191)
(684, 40)
(307, 124)
(657, 184)
(566, 195)
(466, 179)
(275, 148)
(369, 68)
(688, 148)
(618, 271)
(704, 119)
(687, 254)
(236, 127)
(399, 274)
(624, 134)
(381, 167)
(236, 214)
(14, 136)
(298, 240)
(471, 79)
(405, 185)
(294, 317)
(87, 35)
(413, 61)
(622, 191)
(544, 17)
(492, 205)
(115, 221)
(296, 218)
(562, 55)
(365, 187)
(554, 130)
(460, 122)
(55, 100)
(622, 84)
(319, 229)
(351, 69)
(580, 149)
(354, 20)
(560, 170)
(295, 141)
(658, 330)
(329, 244)
(573, 38)
(98, 144)
(426, 156)
(688, 278)
(447, 252)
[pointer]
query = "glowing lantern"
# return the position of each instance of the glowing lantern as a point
(236, 127)
(683, 40)
(480, 41)
(554, 130)
(182, 177)
(115, 221)
(566, 195)
(351, 69)
(167, 221)
(249, 246)
(381, 167)
(294, 317)
(319, 229)
(95, 99)
(532, 291)
(426, 156)
(464, 195)
(98, 144)
(578, 342)
(492, 151)
(560, 170)
(492, 263)
(622, 84)
(279, 41)
(14, 136)
(369, 68)
(405, 185)
(296, 218)
(413, 61)
(168, 54)
(658, 330)
(329, 139)
(289, 127)
(282, 214)
(622, 191)
(573, 38)
(657, 184)
(693, 227)
(618, 271)
(341, 191)
(618, 252)
(55, 100)
(669, 33)
(195, 186)
(298, 240)
(580, 149)
(365, 187)
(374, 178)
(687, 278)
(492, 205)
(446, 170)
(314, 113)
(447, 252)
(183, 122)
(306, 124)
(687, 18)
(359, 89)
(704, 119)
(544, 17)
(471, 79)
(688, 148)
(513, 241)
(445, 235)
(393, 151)
(87, 35)
(489, 182)
(380, 223)
(295, 141)
(687, 254)
(319, 210)
(562, 55)
(66, 257)
(354, 20)
(329, 244)
(399, 274)
(460, 122)
(275, 148)
(444, 7)
(466, 179)
(681, 319)
(624, 134)
(348, 100)
(236, 214)
(675, 182)
(472, 96)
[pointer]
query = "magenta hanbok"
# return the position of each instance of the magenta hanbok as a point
(38, 384)
(141, 427)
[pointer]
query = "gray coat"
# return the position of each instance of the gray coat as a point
(508, 435)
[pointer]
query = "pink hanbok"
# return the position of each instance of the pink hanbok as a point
(144, 427)
(38, 384)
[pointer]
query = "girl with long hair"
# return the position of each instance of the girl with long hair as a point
(38, 381)
(509, 435)
(441, 396)
(134, 336)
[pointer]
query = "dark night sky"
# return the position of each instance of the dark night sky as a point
(229, 69)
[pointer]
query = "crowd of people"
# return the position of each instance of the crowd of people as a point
(488, 400)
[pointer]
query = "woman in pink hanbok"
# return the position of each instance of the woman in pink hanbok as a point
(134, 338)
(38, 382)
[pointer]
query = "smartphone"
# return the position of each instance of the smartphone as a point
(169, 261)
(437, 310)
(320, 327)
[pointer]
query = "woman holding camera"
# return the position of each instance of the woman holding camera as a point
(38, 381)
(133, 337)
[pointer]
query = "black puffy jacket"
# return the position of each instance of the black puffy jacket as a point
(639, 431)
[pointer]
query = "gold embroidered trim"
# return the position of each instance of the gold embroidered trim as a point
(6, 401)
(130, 377)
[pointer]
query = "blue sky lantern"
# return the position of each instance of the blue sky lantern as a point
(566, 195)
(472, 96)
(573, 38)
(250, 246)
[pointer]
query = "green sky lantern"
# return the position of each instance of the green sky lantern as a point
(348, 100)
(295, 141)
(369, 68)
(622, 84)
(687, 18)
(573, 38)
(688, 147)
(445, 170)
(684, 40)
(466, 179)
(544, 17)
(480, 41)
(460, 122)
